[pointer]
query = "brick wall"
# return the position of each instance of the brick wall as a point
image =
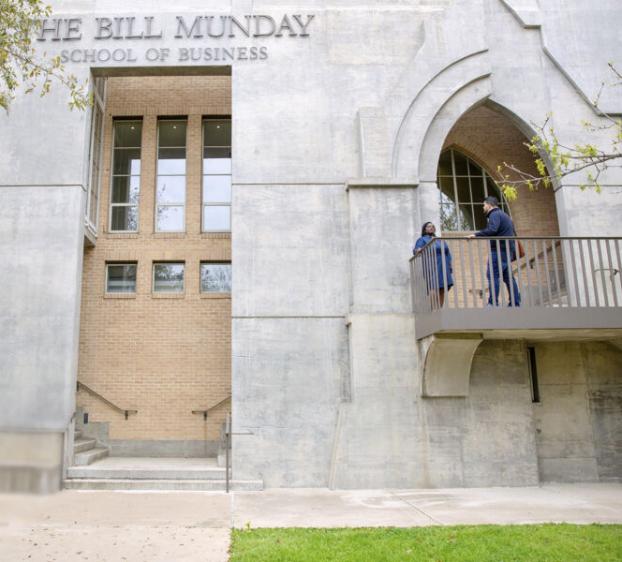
(163, 355)
(490, 139)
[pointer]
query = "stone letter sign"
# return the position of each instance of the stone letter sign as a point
(214, 34)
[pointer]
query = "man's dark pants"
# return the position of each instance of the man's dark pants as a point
(500, 261)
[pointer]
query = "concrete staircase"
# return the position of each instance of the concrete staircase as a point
(141, 473)
(86, 450)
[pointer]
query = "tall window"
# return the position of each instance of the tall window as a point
(95, 151)
(463, 186)
(171, 182)
(125, 176)
(217, 175)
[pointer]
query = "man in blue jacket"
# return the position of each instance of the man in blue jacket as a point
(502, 252)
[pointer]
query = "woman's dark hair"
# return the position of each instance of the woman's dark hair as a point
(425, 225)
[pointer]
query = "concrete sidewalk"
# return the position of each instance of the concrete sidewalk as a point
(165, 526)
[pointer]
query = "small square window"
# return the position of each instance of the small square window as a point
(168, 277)
(121, 278)
(215, 277)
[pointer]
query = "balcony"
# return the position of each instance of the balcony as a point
(565, 288)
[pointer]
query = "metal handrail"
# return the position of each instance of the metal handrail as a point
(553, 271)
(213, 406)
(229, 433)
(126, 412)
(227, 452)
(469, 237)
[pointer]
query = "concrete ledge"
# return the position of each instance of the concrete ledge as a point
(382, 182)
(547, 323)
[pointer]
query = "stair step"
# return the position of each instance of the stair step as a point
(99, 472)
(82, 445)
(90, 456)
(77, 434)
(158, 484)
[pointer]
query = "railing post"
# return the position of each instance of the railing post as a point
(601, 266)
(558, 288)
(443, 272)
(227, 452)
(617, 246)
(463, 279)
(612, 273)
(547, 273)
(593, 272)
(486, 290)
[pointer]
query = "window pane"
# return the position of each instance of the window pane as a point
(460, 162)
(95, 156)
(124, 218)
(171, 189)
(216, 160)
(172, 161)
(170, 219)
(447, 187)
(449, 217)
(477, 190)
(168, 277)
(480, 217)
(217, 132)
(466, 217)
(127, 133)
(126, 161)
(93, 207)
(464, 194)
(171, 133)
(216, 277)
(216, 189)
(474, 169)
(444, 164)
(216, 218)
(125, 189)
(492, 187)
(473, 184)
(121, 279)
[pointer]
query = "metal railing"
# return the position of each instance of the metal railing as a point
(525, 272)
(227, 434)
(228, 453)
(205, 412)
(126, 412)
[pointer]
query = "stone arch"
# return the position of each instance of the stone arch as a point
(421, 138)
(435, 107)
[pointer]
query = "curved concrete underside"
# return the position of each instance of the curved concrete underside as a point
(447, 364)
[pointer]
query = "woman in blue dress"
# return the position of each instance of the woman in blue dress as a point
(435, 279)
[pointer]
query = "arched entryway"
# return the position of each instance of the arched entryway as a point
(479, 142)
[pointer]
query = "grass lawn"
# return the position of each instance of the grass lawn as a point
(481, 543)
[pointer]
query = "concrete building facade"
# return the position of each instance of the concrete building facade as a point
(350, 123)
